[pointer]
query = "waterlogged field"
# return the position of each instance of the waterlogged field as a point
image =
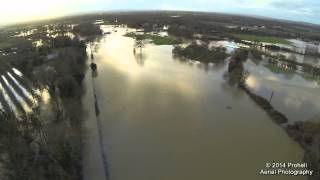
(18, 95)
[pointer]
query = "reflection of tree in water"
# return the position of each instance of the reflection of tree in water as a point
(94, 46)
(201, 65)
(140, 58)
(281, 67)
(94, 73)
(210, 66)
(139, 43)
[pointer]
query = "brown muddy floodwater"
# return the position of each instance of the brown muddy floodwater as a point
(163, 119)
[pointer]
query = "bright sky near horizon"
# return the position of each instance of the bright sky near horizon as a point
(12, 11)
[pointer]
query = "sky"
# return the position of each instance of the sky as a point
(13, 11)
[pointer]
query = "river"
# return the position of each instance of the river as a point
(161, 118)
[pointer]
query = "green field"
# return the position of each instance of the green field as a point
(267, 39)
(157, 40)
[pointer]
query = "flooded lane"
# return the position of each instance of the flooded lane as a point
(166, 119)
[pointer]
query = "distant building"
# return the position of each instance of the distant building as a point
(312, 49)
(306, 48)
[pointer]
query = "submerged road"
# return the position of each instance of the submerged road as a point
(100, 136)
(95, 162)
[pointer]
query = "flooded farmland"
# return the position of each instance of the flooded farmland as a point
(18, 94)
(162, 118)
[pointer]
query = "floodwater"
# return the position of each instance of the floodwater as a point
(295, 91)
(16, 93)
(312, 60)
(160, 118)
(294, 94)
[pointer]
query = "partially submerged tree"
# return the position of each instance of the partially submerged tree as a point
(139, 42)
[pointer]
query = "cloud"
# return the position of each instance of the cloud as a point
(306, 7)
(287, 4)
(303, 11)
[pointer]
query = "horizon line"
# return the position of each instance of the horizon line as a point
(75, 14)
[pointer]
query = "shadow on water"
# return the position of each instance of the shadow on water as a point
(207, 67)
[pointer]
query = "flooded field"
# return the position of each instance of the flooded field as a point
(18, 95)
(163, 118)
(294, 94)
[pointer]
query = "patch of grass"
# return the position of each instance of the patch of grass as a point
(157, 40)
(267, 39)
(160, 40)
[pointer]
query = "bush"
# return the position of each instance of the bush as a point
(69, 88)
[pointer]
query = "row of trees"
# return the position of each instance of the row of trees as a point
(46, 144)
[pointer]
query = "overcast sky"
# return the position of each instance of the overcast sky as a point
(25, 10)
